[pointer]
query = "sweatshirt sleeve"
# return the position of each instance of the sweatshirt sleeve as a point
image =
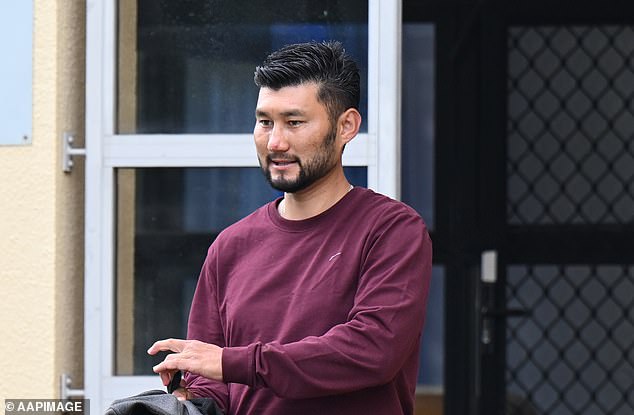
(382, 331)
(205, 325)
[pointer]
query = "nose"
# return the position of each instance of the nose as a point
(277, 140)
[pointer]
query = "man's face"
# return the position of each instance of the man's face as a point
(295, 140)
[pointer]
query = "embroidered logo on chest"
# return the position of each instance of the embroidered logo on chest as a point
(334, 256)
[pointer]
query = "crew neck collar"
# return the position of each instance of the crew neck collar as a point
(304, 224)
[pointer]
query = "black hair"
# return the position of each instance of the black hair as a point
(326, 64)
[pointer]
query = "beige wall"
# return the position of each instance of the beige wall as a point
(41, 218)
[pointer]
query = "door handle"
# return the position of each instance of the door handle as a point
(488, 313)
(489, 271)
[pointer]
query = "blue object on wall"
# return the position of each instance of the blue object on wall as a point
(16, 72)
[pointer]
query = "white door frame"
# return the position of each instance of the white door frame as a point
(378, 149)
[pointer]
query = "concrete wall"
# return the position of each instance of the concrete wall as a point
(41, 218)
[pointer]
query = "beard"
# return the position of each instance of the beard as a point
(310, 170)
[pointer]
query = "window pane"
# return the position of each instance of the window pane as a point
(166, 220)
(417, 186)
(432, 356)
(187, 67)
(418, 119)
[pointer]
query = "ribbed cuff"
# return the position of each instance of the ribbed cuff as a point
(237, 364)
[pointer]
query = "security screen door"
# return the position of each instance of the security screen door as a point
(569, 218)
(545, 182)
(170, 158)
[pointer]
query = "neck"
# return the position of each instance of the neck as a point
(313, 201)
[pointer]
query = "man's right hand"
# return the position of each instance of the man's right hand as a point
(191, 356)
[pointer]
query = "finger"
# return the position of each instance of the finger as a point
(166, 377)
(166, 366)
(181, 394)
(174, 345)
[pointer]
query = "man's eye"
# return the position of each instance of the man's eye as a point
(295, 123)
(265, 123)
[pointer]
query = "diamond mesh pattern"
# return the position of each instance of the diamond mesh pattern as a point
(575, 354)
(570, 125)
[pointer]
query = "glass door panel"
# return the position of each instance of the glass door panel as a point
(417, 185)
(187, 67)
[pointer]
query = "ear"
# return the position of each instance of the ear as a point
(348, 124)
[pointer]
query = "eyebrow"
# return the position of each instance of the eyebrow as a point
(290, 113)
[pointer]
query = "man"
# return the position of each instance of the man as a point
(314, 303)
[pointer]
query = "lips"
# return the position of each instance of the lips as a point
(281, 161)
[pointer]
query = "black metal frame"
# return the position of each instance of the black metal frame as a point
(456, 157)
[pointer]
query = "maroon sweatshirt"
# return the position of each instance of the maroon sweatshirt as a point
(318, 316)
